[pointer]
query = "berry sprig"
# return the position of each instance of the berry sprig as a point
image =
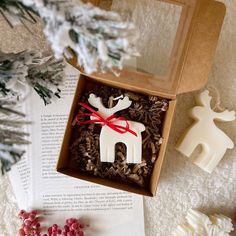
(31, 226)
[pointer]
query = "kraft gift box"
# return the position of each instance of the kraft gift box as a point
(188, 69)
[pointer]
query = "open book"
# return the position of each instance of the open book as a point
(37, 185)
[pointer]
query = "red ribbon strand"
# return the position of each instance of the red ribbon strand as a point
(110, 121)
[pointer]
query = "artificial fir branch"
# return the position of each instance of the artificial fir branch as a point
(9, 155)
(100, 39)
(27, 69)
(15, 10)
(19, 72)
(11, 135)
(13, 123)
(6, 108)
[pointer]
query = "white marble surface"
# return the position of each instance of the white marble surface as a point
(182, 184)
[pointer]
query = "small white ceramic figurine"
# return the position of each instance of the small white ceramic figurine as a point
(204, 132)
(109, 137)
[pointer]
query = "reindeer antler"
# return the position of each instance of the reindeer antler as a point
(97, 102)
(204, 99)
(122, 104)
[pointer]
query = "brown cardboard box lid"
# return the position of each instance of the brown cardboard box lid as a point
(191, 57)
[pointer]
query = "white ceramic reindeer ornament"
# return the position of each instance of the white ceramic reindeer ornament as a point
(204, 132)
(109, 137)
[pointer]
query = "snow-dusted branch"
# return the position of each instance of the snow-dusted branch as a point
(100, 39)
(20, 71)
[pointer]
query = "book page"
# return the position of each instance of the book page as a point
(19, 178)
(109, 212)
(19, 175)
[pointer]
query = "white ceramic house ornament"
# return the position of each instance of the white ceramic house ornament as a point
(204, 132)
(109, 137)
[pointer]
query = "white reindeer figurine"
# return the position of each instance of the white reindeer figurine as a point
(109, 137)
(204, 132)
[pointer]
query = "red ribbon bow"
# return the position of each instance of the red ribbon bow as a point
(110, 121)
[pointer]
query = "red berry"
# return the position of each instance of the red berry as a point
(71, 221)
(26, 229)
(21, 232)
(34, 212)
(25, 216)
(32, 216)
(50, 230)
(81, 226)
(27, 222)
(59, 231)
(37, 225)
(54, 227)
(74, 226)
(66, 228)
(22, 212)
(81, 233)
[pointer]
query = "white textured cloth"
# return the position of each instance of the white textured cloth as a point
(182, 184)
